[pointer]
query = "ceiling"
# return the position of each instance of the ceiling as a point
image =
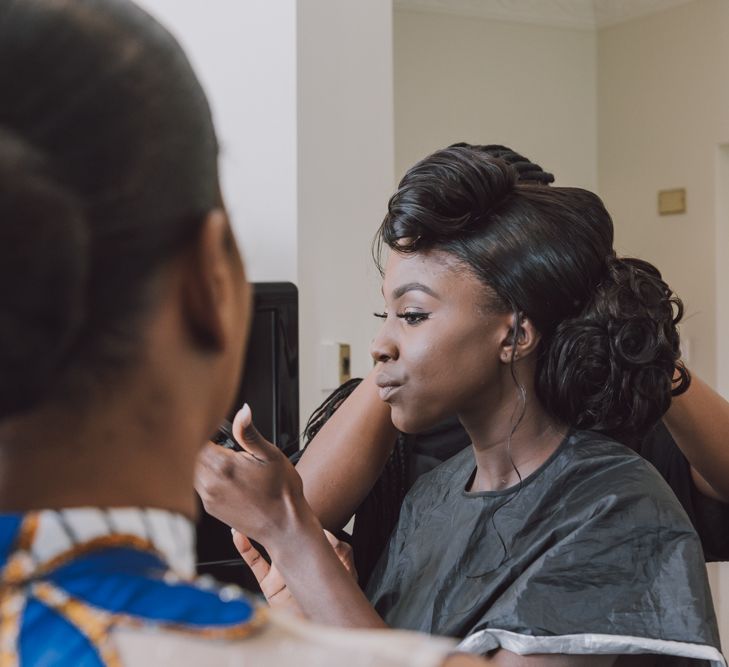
(582, 14)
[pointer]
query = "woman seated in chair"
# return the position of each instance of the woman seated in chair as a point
(506, 305)
(359, 464)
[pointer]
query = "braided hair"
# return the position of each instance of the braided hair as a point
(378, 513)
(527, 171)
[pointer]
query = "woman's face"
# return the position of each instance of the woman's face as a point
(439, 351)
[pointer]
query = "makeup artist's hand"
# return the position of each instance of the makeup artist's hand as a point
(257, 491)
(273, 586)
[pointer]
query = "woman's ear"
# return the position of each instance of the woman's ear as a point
(211, 283)
(521, 339)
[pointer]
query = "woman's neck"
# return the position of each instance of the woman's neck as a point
(116, 459)
(511, 440)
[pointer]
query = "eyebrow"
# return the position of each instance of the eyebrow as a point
(412, 287)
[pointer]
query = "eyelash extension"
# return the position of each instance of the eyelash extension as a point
(410, 318)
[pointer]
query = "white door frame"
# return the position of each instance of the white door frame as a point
(722, 269)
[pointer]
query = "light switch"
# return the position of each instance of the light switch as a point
(336, 365)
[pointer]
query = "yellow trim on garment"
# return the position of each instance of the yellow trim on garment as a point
(12, 604)
(20, 563)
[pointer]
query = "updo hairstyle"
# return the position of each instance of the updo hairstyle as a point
(608, 358)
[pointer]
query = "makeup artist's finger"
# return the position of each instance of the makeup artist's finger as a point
(251, 556)
(249, 438)
(344, 553)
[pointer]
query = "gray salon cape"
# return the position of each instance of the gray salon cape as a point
(592, 553)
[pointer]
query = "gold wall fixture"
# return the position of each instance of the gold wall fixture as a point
(671, 202)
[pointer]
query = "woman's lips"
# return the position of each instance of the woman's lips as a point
(387, 391)
(387, 386)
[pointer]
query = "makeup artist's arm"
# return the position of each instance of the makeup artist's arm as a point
(346, 457)
(699, 423)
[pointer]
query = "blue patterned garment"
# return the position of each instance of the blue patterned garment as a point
(71, 578)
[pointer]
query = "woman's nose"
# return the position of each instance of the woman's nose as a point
(383, 348)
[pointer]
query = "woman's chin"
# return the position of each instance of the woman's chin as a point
(410, 423)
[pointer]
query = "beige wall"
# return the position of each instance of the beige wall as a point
(467, 79)
(663, 108)
(345, 140)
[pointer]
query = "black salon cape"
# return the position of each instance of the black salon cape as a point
(593, 554)
(709, 517)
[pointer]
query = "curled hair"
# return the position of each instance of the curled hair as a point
(628, 349)
(608, 357)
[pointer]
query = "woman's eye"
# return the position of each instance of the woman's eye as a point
(382, 316)
(413, 318)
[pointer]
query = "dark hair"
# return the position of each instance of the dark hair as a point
(526, 170)
(609, 346)
(108, 165)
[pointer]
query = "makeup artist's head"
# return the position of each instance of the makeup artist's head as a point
(489, 280)
(120, 281)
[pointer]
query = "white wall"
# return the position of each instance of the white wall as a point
(468, 79)
(663, 100)
(245, 56)
(345, 176)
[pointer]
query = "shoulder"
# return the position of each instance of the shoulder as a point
(604, 490)
(601, 486)
(588, 444)
(74, 608)
(134, 587)
(285, 642)
(616, 466)
(611, 529)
